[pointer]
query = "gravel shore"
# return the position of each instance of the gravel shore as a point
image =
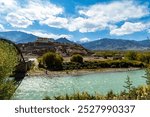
(76, 72)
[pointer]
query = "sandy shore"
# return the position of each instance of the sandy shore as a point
(43, 72)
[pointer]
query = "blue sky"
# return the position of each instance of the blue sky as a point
(78, 20)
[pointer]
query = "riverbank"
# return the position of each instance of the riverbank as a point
(43, 72)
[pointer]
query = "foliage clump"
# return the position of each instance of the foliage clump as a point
(8, 62)
(147, 76)
(131, 55)
(77, 58)
(51, 61)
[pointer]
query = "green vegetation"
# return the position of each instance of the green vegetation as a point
(144, 57)
(128, 87)
(105, 54)
(102, 64)
(147, 76)
(131, 55)
(77, 58)
(51, 61)
(110, 59)
(8, 62)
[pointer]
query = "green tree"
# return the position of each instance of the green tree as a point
(8, 61)
(131, 55)
(144, 57)
(77, 58)
(52, 61)
(128, 86)
(147, 76)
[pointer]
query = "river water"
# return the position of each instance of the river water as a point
(38, 87)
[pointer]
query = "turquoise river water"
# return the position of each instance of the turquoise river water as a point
(36, 88)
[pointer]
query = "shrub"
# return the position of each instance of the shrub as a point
(144, 58)
(147, 76)
(52, 61)
(77, 58)
(131, 55)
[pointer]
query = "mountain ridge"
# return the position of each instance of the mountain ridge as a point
(18, 36)
(101, 44)
(116, 44)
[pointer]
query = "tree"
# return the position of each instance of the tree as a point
(77, 58)
(52, 61)
(131, 55)
(8, 62)
(128, 86)
(147, 76)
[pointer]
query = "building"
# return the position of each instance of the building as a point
(42, 40)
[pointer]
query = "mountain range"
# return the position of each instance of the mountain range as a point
(22, 37)
(117, 44)
(101, 44)
(18, 36)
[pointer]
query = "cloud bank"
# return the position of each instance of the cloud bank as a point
(102, 16)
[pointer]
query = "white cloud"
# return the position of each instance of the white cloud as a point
(47, 35)
(18, 21)
(85, 39)
(1, 27)
(56, 22)
(24, 16)
(51, 35)
(7, 5)
(85, 25)
(90, 19)
(38, 10)
(102, 16)
(129, 28)
(115, 11)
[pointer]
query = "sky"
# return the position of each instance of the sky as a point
(77, 20)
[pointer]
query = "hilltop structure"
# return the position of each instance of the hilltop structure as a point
(44, 40)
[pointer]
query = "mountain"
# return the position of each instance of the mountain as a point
(64, 40)
(145, 43)
(102, 44)
(18, 36)
(22, 37)
(116, 44)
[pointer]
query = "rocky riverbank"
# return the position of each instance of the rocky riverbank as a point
(43, 72)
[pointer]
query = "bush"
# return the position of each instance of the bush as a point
(144, 58)
(52, 61)
(77, 58)
(102, 64)
(131, 55)
(147, 76)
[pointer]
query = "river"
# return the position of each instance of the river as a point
(35, 88)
